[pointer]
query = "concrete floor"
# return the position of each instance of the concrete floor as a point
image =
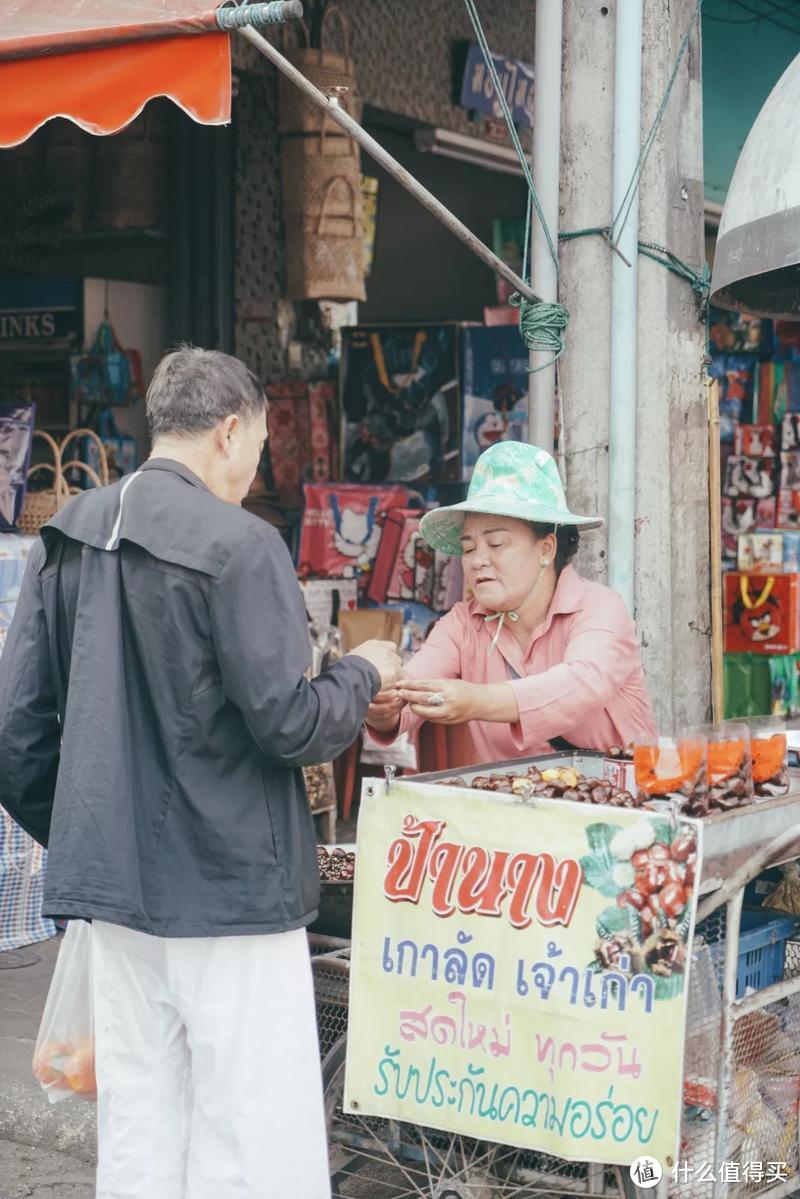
(27, 1173)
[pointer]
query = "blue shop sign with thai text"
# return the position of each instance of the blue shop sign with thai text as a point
(478, 90)
(39, 312)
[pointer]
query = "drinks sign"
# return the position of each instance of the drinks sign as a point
(511, 982)
(478, 90)
(39, 313)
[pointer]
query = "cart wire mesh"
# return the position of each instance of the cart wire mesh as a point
(757, 1155)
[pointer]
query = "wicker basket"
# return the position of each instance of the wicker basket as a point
(131, 175)
(308, 164)
(325, 253)
(69, 161)
(329, 70)
(41, 506)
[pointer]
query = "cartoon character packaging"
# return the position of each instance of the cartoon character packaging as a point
(761, 614)
(341, 529)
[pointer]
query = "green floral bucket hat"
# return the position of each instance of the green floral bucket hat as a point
(510, 479)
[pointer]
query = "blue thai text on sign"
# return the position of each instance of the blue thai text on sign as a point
(516, 78)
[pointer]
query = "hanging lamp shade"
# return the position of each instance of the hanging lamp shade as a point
(757, 260)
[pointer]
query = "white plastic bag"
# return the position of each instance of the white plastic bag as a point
(402, 753)
(63, 1060)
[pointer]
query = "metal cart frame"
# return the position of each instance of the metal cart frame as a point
(738, 846)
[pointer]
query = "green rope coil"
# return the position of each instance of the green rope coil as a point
(542, 327)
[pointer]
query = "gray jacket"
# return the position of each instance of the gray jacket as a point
(154, 713)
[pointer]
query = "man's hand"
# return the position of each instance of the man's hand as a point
(384, 657)
(384, 712)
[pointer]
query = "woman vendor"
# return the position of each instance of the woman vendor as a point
(540, 657)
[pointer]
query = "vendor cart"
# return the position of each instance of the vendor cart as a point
(741, 1062)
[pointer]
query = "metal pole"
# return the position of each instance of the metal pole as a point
(389, 164)
(546, 169)
(727, 1054)
(624, 303)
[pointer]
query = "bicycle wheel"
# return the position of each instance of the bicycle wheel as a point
(373, 1158)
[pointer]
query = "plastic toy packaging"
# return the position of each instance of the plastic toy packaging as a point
(761, 553)
(342, 529)
(755, 441)
(63, 1059)
(16, 435)
(790, 432)
(748, 478)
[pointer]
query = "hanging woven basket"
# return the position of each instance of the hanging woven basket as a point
(325, 253)
(309, 164)
(41, 505)
(328, 69)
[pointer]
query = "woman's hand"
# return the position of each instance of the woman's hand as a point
(383, 714)
(460, 700)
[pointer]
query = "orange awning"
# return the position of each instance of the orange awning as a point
(98, 62)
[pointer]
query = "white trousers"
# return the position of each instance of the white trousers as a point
(208, 1068)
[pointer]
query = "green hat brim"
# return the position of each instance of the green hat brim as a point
(442, 527)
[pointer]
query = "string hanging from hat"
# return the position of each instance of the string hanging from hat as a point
(543, 324)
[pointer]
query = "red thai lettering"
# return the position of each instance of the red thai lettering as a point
(444, 862)
(407, 863)
(524, 871)
(473, 879)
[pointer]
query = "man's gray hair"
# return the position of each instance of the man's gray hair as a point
(193, 390)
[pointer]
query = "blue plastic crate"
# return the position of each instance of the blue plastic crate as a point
(762, 944)
(757, 891)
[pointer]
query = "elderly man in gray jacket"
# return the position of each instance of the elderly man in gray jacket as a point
(154, 716)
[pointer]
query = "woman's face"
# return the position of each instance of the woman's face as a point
(502, 559)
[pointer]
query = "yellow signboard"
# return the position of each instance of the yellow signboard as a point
(519, 971)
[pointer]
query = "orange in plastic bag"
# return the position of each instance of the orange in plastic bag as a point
(662, 770)
(725, 759)
(66, 1067)
(63, 1059)
(769, 756)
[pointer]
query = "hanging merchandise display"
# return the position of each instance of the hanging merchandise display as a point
(494, 379)
(132, 174)
(299, 419)
(42, 503)
(106, 374)
(761, 614)
(323, 207)
(370, 191)
(400, 403)
(122, 453)
(329, 69)
(22, 861)
(341, 529)
(16, 437)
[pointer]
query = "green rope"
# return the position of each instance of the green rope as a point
(542, 327)
(700, 282)
(509, 119)
(647, 145)
(543, 324)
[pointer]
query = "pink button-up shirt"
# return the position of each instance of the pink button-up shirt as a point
(581, 677)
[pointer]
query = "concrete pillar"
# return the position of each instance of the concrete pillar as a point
(672, 557)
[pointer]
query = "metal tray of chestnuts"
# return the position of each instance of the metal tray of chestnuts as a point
(729, 838)
(337, 866)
